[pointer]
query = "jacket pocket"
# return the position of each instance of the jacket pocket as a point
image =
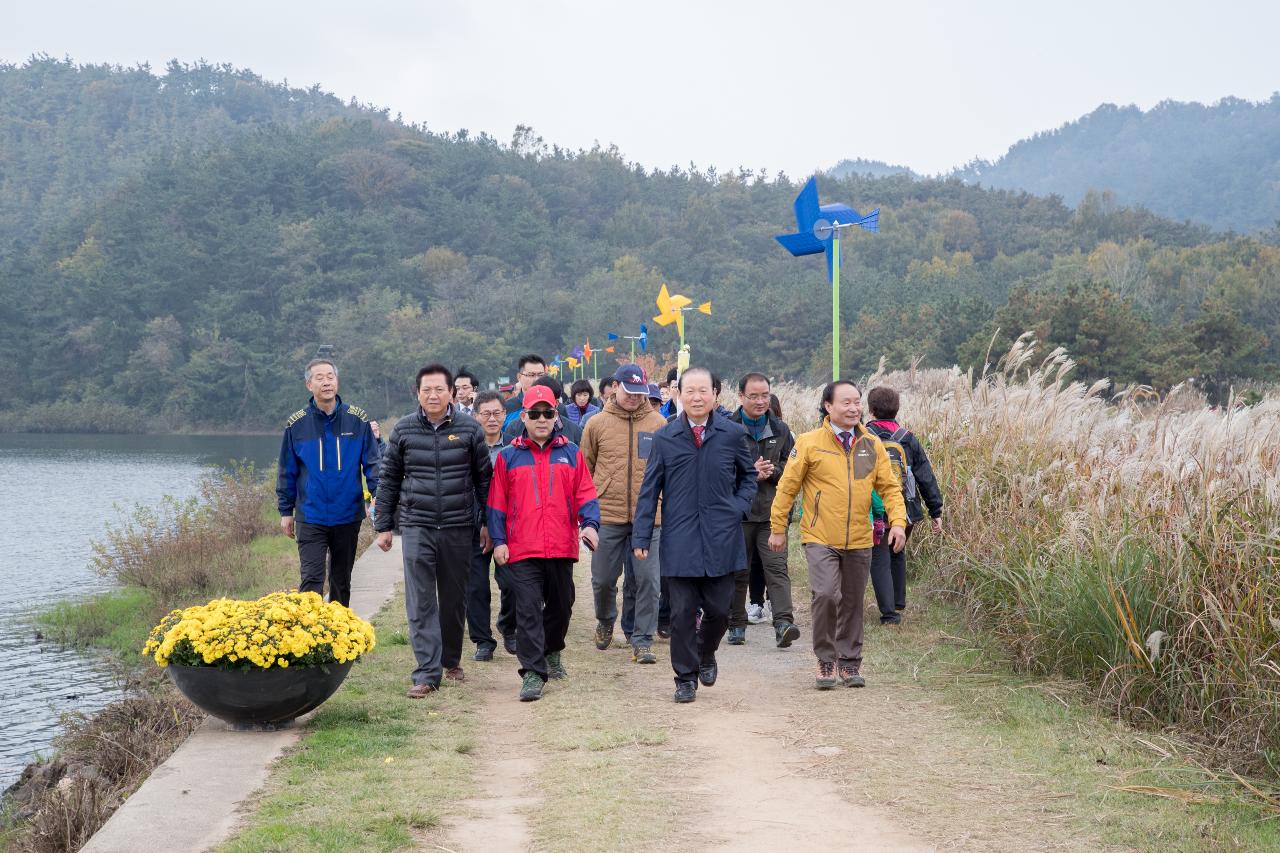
(817, 503)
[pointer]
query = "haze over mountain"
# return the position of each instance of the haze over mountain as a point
(1216, 164)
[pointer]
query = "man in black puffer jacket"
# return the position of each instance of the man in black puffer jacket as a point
(436, 472)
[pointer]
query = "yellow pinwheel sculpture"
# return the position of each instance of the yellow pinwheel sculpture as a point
(670, 308)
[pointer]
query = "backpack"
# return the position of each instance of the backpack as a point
(906, 478)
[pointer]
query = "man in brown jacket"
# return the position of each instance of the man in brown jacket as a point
(616, 443)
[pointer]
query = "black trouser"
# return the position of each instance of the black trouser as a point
(436, 564)
(756, 578)
(628, 615)
(690, 647)
(480, 600)
(664, 604)
(334, 545)
(889, 579)
(544, 597)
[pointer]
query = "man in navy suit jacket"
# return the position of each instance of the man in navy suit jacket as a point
(704, 473)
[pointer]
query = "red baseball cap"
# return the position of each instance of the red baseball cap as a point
(539, 394)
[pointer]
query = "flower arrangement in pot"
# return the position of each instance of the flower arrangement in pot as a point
(263, 662)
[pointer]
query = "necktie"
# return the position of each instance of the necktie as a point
(697, 435)
(846, 439)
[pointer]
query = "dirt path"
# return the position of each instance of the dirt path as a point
(497, 820)
(761, 761)
(765, 795)
(883, 767)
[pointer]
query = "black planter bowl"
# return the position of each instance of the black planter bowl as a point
(258, 697)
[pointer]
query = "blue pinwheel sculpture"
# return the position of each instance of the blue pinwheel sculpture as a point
(642, 339)
(818, 230)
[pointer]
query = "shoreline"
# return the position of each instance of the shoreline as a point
(110, 626)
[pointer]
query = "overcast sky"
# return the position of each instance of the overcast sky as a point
(785, 86)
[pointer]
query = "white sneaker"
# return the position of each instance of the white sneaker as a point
(755, 614)
(766, 612)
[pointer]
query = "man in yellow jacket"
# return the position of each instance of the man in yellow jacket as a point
(836, 467)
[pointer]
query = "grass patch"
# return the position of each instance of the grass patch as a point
(374, 769)
(1147, 790)
(605, 747)
(1064, 765)
(117, 622)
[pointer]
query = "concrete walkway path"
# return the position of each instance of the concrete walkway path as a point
(191, 802)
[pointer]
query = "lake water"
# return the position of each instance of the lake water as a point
(57, 495)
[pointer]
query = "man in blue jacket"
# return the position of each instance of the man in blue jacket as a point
(325, 449)
(700, 466)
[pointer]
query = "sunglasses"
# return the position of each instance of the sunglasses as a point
(536, 414)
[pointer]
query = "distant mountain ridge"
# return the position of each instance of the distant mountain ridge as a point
(1217, 164)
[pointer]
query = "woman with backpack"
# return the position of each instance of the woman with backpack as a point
(889, 568)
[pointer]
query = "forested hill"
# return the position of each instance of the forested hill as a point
(1217, 164)
(174, 247)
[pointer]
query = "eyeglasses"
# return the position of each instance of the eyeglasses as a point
(489, 416)
(533, 375)
(758, 398)
(536, 414)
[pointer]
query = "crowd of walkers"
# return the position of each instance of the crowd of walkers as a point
(686, 503)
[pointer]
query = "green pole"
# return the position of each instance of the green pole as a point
(595, 366)
(633, 350)
(835, 307)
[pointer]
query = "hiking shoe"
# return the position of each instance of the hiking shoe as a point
(419, 691)
(643, 654)
(664, 631)
(604, 635)
(786, 634)
(555, 668)
(455, 673)
(737, 636)
(895, 619)
(849, 677)
(483, 653)
(509, 643)
(531, 687)
(755, 613)
(686, 691)
(707, 672)
(826, 675)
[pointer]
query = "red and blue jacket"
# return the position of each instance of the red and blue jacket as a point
(540, 498)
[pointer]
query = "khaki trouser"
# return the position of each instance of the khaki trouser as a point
(838, 581)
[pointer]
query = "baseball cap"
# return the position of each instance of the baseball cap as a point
(539, 394)
(633, 379)
(655, 393)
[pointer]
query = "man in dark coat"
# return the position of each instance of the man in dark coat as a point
(770, 443)
(702, 469)
(436, 473)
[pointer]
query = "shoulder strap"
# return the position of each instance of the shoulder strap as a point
(899, 434)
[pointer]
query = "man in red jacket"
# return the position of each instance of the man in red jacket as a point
(541, 500)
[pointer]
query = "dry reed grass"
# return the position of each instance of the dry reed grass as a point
(1131, 542)
(101, 760)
